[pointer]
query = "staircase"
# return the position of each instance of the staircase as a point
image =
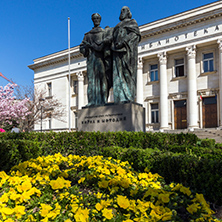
(210, 133)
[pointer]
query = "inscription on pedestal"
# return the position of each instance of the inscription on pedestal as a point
(129, 117)
(104, 118)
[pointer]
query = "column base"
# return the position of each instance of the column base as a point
(192, 128)
(163, 128)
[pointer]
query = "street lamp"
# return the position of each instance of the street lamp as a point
(41, 100)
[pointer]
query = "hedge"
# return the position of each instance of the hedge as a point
(180, 158)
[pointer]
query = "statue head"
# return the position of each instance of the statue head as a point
(125, 13)
(96, 18)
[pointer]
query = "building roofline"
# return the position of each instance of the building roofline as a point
(182, 19)
(183, 12)
(166, 24)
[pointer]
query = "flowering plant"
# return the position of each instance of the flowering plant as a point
(82, 189)
(2, 130)
(10, 108)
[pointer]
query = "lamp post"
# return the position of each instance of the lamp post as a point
(40, 100)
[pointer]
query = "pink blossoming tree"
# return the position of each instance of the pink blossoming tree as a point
(11, 109)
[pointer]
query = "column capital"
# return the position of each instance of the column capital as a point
(80, 76)
(140, 63)
(191, 51)
(219, 41)
(162, 58)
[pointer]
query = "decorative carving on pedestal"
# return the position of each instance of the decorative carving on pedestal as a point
(191, 51)
(162, 58)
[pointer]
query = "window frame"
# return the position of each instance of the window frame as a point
(208, 62)
(76, 119)
(50, 120)
(200, 60)
(75, 86)
(154, 71)
(49, 89)
(179, 65)
(146, 68)
(172, 59)
(156, 113)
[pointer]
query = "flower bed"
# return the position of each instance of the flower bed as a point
(74, 188)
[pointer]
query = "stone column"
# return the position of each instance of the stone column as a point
(220, 81)
(139, 87)
(163, 91)
(80, 90)
(192, 88)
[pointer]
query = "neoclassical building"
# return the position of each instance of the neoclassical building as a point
(179, 76)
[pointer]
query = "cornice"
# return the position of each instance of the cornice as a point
(179, 95)
(208, 92)
(181, 24)
(56, 58)
(181, 20)
(152, 98)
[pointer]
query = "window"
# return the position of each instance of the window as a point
(76, 119)
(153, 73)
(49, 88)
(179, 67)
(154, 113)
(208, 62)
(75, 87)
(50, 120)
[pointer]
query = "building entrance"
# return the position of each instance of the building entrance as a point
(209, 112)
(180, 114)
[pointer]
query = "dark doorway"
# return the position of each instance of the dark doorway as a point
(209, 112)
(180, 114)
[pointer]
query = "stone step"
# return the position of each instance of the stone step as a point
(210, 133)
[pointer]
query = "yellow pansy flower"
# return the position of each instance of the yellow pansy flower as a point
(82, 179)
(164, 198)
(82, 215)
(19, 211)
(107, 213)
(26, 185)
(193, 208)
(59, 183)
(103, 184)
(99, 206)
(185, 190)
(45, 208)
(123, 202)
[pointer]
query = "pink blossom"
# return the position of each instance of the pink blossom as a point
(10, 108)
(2, 130)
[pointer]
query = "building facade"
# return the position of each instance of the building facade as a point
(179, 76)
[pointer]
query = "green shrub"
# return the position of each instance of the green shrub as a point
(180, 158)
(210, 143)
(15, 151)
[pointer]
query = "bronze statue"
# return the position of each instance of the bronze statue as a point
(112, 59)
(92, 47)
(126, 36)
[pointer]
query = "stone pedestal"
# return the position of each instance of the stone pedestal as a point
(112, 117)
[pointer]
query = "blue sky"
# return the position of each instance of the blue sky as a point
(31, 29)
